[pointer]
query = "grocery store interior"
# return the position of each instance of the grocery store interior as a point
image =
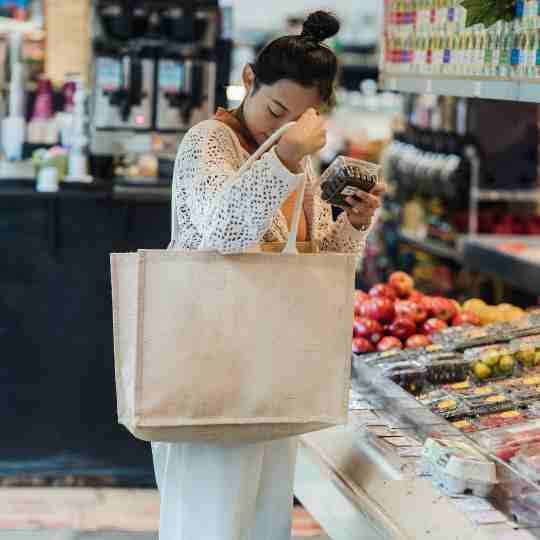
(443, 432)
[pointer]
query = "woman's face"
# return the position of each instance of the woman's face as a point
(270, 107)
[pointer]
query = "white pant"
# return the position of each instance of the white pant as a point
(225, 493)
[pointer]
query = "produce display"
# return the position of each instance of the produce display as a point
(395, 315)
(484, 381)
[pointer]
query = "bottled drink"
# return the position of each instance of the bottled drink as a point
(507, 40)
(532, 44)
(429, 56)
(480, 51)
(497, 43)
(460, 67)
(537, 53)
(454, 61)
(515, 53)
(488, 55)
(447, 54)
(519, 9)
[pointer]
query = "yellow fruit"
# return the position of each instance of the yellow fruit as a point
(506, 363)
(516, 313)
(488, 315)
(475, 305)
(482, 371)
(491, 360)
(526, 356)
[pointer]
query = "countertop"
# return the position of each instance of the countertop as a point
(98, 189)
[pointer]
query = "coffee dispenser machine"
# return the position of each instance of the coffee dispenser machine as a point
(185, 92)
(154, 72)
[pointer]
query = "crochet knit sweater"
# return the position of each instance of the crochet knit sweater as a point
(213, 214)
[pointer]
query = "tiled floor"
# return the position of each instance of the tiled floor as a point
(95, 514)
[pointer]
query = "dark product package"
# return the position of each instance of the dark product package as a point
(409, 375)
(445, 368)
(345, 177)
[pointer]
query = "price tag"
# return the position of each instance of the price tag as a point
(477, 90)
(429, 86)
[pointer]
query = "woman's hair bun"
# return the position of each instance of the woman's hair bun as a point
(319, 26)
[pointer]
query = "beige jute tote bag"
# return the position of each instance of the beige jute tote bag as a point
(232, 349)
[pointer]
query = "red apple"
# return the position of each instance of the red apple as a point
(466, 317)
(416, 296)
(427, 302)
(412, 310)
(360, 298)
(403, 328)
(402, 283)
(361, 295)
(361, 346)
(433, 325)
(443, 309)
(368, 329)
(378, 308)
(417, 341)
(384, 291)
(389, 342)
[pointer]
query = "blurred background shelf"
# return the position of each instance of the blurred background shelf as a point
(509, 90)
(438, 249)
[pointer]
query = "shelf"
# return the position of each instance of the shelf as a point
(470, 87)
(481, 253)
(438, 249)
(532, 195)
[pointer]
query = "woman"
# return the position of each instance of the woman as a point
(245, 492)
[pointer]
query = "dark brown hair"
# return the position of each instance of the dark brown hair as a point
(303, 59)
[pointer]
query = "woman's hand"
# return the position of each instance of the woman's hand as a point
(364, 206)
(306, 137)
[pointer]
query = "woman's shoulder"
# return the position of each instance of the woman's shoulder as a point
(210, 129)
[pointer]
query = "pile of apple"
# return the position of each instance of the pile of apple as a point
(395, 315)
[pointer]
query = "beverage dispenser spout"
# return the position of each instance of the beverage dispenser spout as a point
(190, 96)
(130, 93)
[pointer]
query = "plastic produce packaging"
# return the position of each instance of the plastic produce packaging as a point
(526, 351)
(507, 441)
(492, 362)
(527, 461)
(444, 368)
(409, 375)
(347, 176)
(458, 468)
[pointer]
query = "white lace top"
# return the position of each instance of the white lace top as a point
(213, 214)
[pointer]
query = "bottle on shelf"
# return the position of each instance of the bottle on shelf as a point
(537, 66)
(461, 53)
(429, 56)
(515, 53)
(531, 7)
(447, 54)
(488, 55)
(532, 44)
(454, 60)
(468, 52)
(507, 39)
(519, 9)
(480, 51)
(497, 45)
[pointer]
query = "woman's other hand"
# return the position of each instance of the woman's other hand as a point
(364, 205)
